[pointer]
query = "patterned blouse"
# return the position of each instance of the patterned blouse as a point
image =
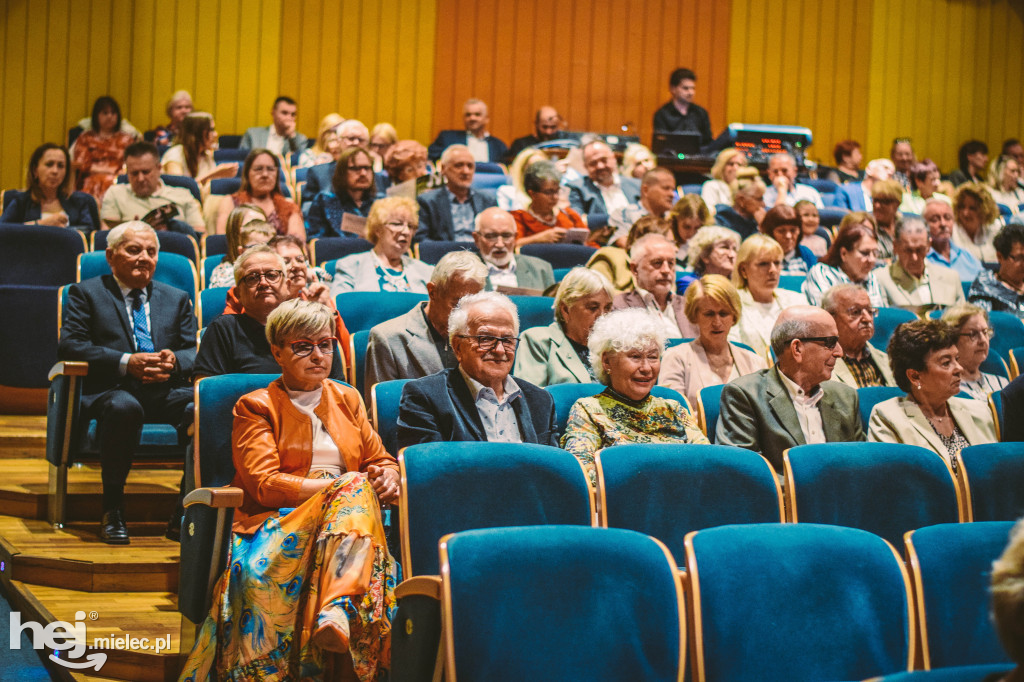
(608, 419)
(986, 383)
(106, 154)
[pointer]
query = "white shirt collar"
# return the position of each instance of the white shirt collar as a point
(798, 395)
(510, 387)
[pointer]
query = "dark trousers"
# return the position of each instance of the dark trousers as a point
(120, 414)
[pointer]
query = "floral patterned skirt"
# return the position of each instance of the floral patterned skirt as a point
(316, 581)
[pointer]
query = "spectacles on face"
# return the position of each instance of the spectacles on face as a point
(487, 343)
(868, 253)
(827, 341)
(304, 347)
(360, 169)
(253, 278)
(978, 334)
(491, 237)
(857, 311)
(270, 170)
(399, 226)
(548, 192)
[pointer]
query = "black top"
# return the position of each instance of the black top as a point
(79, 206)
(237, 344)
(521, 143)
(667, 119)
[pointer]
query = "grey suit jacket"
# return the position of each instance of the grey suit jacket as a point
(898, 286)
(546, 357)
(633, 299)
(531, 273)
(358, 272)
(256, 138)
(585, 196)
(843, 375)
(402, 349)
(900, 420)
(757, 413)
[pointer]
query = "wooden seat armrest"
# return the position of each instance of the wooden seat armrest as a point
(72, 368)
(426, 585)
(227, 497)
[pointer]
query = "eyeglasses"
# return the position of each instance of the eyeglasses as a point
(253, 278)
(549, 192)
(360, 169)
(304, 347)
(399, 226)
(489, 343)
(827, 341)
(857, 312)
(264, 169)
(978, 334)
(495, 236)
(868, 253)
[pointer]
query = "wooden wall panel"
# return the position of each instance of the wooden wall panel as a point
(602, 63)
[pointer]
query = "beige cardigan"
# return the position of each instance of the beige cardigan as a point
(686, 369)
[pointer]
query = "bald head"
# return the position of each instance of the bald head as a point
(547, 122)
(801, 339)
(800, 321)
(495, 236)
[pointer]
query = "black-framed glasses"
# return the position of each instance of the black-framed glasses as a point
(978, 334)
(488, 343)
(253, 278)
(304, 347)
(827, 341)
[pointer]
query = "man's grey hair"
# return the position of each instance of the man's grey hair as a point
(589, 141)
(580, 283)
(478, 220)
(458, 321)
(446, 155)
(476, 100)
(638, 251)
(909, 225)
(828, 301)
(620, 331)
(783, 155)
(935, 200)
(784, 332)
(121, 232)
(352, 123)
(464, 264)
(248, 254)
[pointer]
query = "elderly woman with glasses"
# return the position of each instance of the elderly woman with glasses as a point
(973, 340)
(625, 351)
(388, 265)
(923, 356)
(542, 220)
(851, 258)
(310, 572)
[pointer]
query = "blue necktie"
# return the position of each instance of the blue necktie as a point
(143, 339)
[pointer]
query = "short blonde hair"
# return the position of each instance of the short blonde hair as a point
(385, 130)
(889, 190)
(523, 160)
(297, 319)
(705, 240)
(248, 254)
(620, 331)
(752, 247)
(724, 157)
(382, 209)
(580, 283)
(718, 289)
(957, 315)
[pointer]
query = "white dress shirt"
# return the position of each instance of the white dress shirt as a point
(478, 147)
(614, 198)
(276, 143)
(667, 316)
(497, 416)
(807, 412)
(502, 277)
(122, 367)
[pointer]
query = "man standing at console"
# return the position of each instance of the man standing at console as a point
(681, 114)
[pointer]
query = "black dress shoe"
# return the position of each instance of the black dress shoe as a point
(112, 528)
(173, 532)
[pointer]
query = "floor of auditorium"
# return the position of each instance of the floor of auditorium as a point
(48, 575)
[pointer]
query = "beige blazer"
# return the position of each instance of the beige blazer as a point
(686, 369)
(842, 374)
(900, 420)
(546, 357)
(898, 286)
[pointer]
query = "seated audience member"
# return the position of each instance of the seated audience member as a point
(625, 352)
(1013, 148)
(330, 549)
(246, 233)
(603, 190)
(1004, 183)
(861, 363)
(713, 306)
(319, 178)
(139, 338)
(327, 146)
(885, 201)
(146, 192)
(712, 251)
(681, 114)
(910, 281)
(856, 196)
(652, 260)
(977, 221)
(1003, 291)
(923, 357)
(782, 175)
(851, 258)
(747, 210)
(178, 107)
(260, 187)
(415, 344)
(972, 158)
(388, 265)
(613, 261)
(792, 403)
(657, 193)
(280, 137)
(1013, 403)
(939, 217)
(481, 144)
(480, 400)
(99, 151)
(810, 228)
(495, 236)
(513, 197)
(1008, 603)
(756, 277)
(848, 156)
(447, 213)
(783, 225)
(382, 137)
(722, 186)
(542, 221)
(903, 159)
(688, 215)
(557, 354)
(49, 198)
(193, 155)
(236, 342)
(403, 161)
(637, 160)
(924, 180)
(352, 191)
(973, 336)
(546, 127)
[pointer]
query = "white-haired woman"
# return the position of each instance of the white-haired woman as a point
(625, 352)
(974, 334)
(558, 354)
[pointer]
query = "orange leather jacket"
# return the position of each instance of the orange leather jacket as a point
(272, 446)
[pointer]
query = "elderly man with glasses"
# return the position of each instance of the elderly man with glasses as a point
(861, 363)
(911, 281)
(495, 238)
(479, 400)
(792, 403)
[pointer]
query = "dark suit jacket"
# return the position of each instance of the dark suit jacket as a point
(585, 197)
(80, 207)
(851, 197)
(757, 413)
(440, 407)
(96, 329)
(318, 179)
(728, 217)
(436, 213)
(1013, 406)
(446, 138)
(521, 143)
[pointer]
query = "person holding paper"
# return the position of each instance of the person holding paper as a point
(542, 220)
(352, 192)
(495, 237)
